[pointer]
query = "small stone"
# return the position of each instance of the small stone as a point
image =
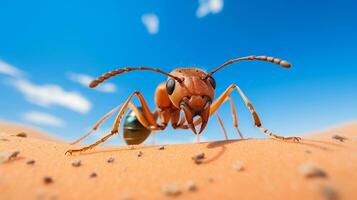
(76, 163)
(8, 155)
(110, 160)
(338, 137)
(311, 171)
(171, 190)
(31, 162)
(238, 166)
(308, 151)
(48, 180)
(329, 193)
(191, 186)
(93, 175)
(162, 148)
(140, 154)
(198, 158)
(22, 134)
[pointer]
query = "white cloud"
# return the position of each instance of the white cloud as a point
(49, 95)
(151, 22)
(85, 80)
(41, 118)
(10, 70)
(209, 6)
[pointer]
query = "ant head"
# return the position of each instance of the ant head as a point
(193, 94)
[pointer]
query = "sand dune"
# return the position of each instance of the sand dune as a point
(239, 169)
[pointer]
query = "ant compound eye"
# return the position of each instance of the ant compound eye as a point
(212, 81)
(170, 86)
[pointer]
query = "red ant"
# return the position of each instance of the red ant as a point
(190, 90)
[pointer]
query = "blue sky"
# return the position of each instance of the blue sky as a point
(57, 45)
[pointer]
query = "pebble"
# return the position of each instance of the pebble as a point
(338, 137)
(162, 148)
(171, 190)
(110, 160)
(31, 162)
(140, 154)
(329, 193)
(22, 134)
(48, 180)
(311, 171)
(198, 158)
(238, 166)
(191, 186)
(76, 163)
(93, 175)
(308, 151)
(8, 155)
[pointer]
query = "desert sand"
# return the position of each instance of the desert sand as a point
(235, 169)
(13, 129)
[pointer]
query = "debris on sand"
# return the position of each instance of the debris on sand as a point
(162, 148)
(311, 171)
(22, 134)
(140, 154)
(110, 160)
(171, 190)
(48, 180)
(93, 175)
(3, 137)
(31, 162)
(8, 155)
(211, 179)
(198, 158)
(238, 166)
(329, 193)
(339, 137)
(308, 151)
(191, 186)
(76, 163)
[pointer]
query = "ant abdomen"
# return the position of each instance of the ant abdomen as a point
(134, 132)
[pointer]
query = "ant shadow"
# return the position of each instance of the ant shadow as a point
(222, 145)
(313, 143)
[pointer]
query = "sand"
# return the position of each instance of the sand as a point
(13, 129)
(237, 169)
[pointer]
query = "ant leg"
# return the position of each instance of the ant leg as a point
(97, 125)
(222, 125)
(257, 121)
(148, 115)
(235, 118)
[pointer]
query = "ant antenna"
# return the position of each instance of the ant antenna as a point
(108, 75)
(277, 61)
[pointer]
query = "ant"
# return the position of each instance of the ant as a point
(190, 90)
